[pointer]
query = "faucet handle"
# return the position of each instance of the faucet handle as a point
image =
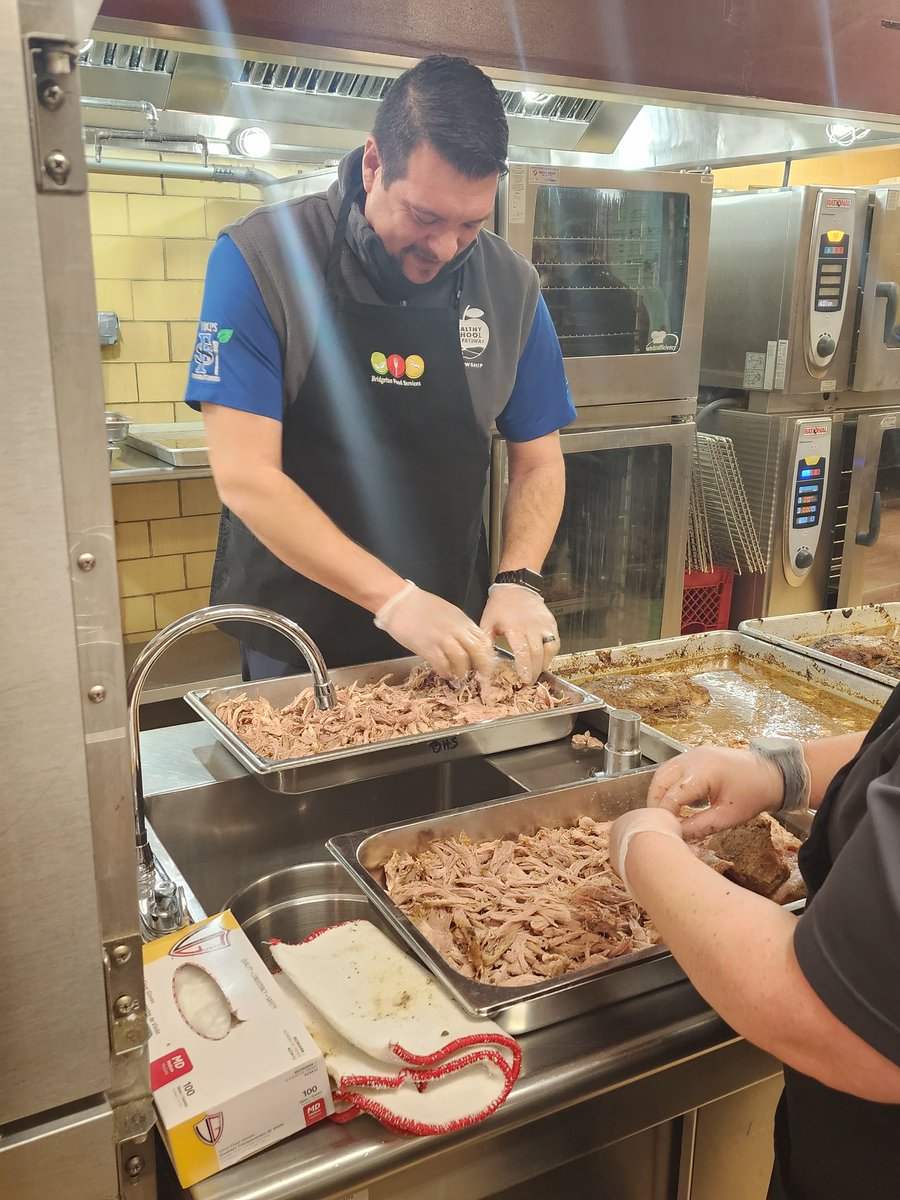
(165, 910)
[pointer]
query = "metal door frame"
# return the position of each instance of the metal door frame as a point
(870, 431)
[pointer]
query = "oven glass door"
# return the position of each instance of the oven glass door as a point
(870, 569)
(615, 570)
(613, 268)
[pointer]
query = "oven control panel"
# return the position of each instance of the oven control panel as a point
(807, 487)
(831, 253)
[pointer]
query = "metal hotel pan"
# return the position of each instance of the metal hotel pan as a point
(388, 757)
(707, 651)
(866, 618)
(515, 1009)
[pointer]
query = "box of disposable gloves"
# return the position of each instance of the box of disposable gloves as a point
(232, 1066)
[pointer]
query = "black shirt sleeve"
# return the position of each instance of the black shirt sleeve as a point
(848, 941)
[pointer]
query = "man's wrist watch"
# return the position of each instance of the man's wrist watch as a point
(523, 577)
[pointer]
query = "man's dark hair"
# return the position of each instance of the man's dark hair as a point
(453, 106)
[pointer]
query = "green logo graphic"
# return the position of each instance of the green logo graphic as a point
(378, 361)
(225, 335)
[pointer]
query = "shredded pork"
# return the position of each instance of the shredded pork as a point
(375, 712)
(518, 912)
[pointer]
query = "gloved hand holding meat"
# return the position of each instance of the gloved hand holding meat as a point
(520, 615)
(437, 631)
(737, 784)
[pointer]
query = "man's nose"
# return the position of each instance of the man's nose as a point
(444, 246)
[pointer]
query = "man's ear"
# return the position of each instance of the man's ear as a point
(371, 164)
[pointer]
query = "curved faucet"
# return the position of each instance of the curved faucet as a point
(171, 914)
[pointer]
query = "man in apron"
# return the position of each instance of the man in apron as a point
(355, 350)
(821, 993)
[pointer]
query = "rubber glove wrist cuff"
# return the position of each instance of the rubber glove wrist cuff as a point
(522, 587)
(390, 604)
(632, 833)
(787, 755)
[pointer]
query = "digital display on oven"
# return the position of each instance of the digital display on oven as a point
(808, 491)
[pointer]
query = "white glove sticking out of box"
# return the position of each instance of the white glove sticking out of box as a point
(394, 1044)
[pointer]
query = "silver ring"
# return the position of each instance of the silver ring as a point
(549, 638)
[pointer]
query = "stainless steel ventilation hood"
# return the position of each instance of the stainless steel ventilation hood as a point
(306, 104)
(315, 109)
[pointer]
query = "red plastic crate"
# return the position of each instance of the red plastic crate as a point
(707, 600)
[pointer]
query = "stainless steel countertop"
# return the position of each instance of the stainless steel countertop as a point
(133, 466)
(597, 1077)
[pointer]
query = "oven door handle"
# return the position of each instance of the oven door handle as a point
(891, 293)
(869, 537)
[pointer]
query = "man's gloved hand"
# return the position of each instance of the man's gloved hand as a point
(737, 784)
(437, 631)
(520, 615)
(628, 826)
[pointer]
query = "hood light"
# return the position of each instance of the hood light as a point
(252, 142)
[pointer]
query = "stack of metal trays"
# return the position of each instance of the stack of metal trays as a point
(396, 754)
(864, 622)
(533, 1006)
(755, 689)
(735, 542)
(181, 443)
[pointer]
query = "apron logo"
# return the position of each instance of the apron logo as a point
(206, 353)
(474, 334)
(394, 368)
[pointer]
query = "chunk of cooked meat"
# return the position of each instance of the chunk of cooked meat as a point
(652, 695)
(761, 852)
(586, 741)
(374, 712)
(876, 651)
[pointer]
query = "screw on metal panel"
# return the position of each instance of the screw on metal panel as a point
(134, 1165)
(51, 95)
(121, 954)
(86, 562)
(57, 167)
(97, 693)
(124, 1006)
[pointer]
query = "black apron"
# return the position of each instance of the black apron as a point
(382, 436)
(830, 1145)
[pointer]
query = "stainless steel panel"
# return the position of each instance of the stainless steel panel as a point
(630, 378)
(793, 632)
(516, 1009)
(316, 771)
(877, 357)
(71, 1156)
(52, 1004)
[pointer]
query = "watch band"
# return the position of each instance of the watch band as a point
(523, 577)
(787, 754)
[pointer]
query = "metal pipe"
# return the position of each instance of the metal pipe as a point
(136, 135)
(149, 110)
(323, 691)
(216, 174)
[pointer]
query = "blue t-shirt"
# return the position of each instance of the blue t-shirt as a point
(237, 358)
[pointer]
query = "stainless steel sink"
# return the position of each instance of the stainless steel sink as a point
(228, 833)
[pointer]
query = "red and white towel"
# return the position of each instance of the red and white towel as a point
(396, 1046)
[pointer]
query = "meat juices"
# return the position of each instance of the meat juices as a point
(512, 913)
(375, 712)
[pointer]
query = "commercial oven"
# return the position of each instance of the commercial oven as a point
(622, 261)
(784, 267)
(615, 571)
(824, 491)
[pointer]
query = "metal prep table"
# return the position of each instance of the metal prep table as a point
(626, 1097)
